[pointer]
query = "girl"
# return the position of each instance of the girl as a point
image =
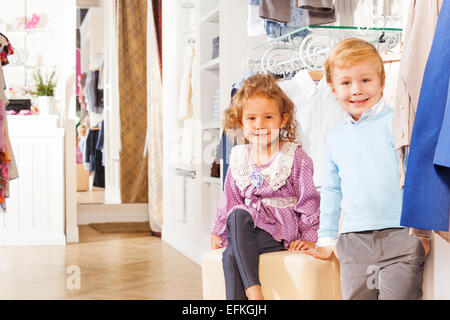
(269, 201)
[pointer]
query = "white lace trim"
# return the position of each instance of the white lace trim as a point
(275, 175)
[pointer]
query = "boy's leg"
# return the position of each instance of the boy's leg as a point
(401, 273)
(358, 269)
(246, 243)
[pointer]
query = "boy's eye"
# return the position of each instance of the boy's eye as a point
(366, 80)
(269, 117)
(251, 118)
(346, 83)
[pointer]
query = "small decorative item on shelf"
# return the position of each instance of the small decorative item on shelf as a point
(45, 89)
(215, 170)
(34, 21)
(215, 43)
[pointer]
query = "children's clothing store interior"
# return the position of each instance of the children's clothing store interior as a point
(115, 159)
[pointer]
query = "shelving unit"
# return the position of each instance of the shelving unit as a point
(27, 58)
(189, 216)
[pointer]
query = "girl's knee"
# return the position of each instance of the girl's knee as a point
(238, 217)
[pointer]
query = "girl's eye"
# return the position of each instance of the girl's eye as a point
(269, 117)
(346, 83)
(366, 80)
(251, 118)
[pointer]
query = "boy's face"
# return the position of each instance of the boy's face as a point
(357, 88)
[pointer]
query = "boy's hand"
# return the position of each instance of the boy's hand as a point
(300, 245)
(216, 242)
(426, 245)
(323, 253)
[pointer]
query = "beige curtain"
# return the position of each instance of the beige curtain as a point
(132, 31)
(154, 126)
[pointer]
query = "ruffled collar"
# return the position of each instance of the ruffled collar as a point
(275, 174)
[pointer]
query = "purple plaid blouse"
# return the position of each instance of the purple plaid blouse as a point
(279, 195)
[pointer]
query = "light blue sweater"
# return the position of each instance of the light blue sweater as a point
(361, 177)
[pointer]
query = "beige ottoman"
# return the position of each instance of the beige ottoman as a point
(286, 275)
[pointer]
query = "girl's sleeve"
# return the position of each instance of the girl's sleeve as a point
(330, 206)
(308, 205)
(231, 197)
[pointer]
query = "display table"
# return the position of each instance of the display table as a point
(35, 208)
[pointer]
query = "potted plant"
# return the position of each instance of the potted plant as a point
(45, 90)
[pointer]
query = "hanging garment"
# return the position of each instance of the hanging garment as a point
(299, 19)
(6, 49)
(255, 24)
(277, 10)
(185, 99)
(94, 96)
(94, 157)
(317, 111)
(100, 141)
(3, 87)
(319, 11)
(4, 159)
(426, 197)
(417, 43)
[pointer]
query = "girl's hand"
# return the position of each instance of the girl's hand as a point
(300, 245)
(216, 242)
(323, 253)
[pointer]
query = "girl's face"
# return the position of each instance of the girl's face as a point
(262, 121)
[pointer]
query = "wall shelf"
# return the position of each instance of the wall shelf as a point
(212, 17)
(212, 65)
(211, 180)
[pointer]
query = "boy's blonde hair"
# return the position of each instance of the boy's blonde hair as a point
(266, 86)
(350, 52)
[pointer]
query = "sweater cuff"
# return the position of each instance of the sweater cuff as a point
(326, 242)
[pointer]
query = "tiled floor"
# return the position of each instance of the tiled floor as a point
(111, 266)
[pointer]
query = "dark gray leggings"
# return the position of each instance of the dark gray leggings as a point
(241, 258)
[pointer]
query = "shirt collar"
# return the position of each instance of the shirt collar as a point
(366, 114)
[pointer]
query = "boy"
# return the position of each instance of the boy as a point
(378, 257)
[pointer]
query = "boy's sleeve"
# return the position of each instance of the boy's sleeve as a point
(230, 197)
(308, 205)
(330, 203)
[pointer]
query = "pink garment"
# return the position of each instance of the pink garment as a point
(298, 222)
(3, 146)
(78, 69)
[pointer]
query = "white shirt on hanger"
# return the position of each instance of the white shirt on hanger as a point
(317, 110)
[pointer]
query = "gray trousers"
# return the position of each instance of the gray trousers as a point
(382, 264)
(241, 258)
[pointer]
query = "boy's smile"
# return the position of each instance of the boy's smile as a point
(357, 88)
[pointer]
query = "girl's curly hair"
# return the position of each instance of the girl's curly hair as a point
(261, 85)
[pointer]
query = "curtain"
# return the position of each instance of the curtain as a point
(132, 45)
(154, 123)
(158, 28)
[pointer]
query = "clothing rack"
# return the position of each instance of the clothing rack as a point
(307, 47)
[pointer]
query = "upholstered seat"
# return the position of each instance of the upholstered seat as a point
(286, 275)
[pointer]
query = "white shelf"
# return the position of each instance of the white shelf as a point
(212, 16)
(212, 125)
(213, 64)
(211, 180)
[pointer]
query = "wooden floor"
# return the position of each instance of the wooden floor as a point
(112, 266)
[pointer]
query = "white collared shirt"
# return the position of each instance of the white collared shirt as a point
(366, 114)
(317, 110)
